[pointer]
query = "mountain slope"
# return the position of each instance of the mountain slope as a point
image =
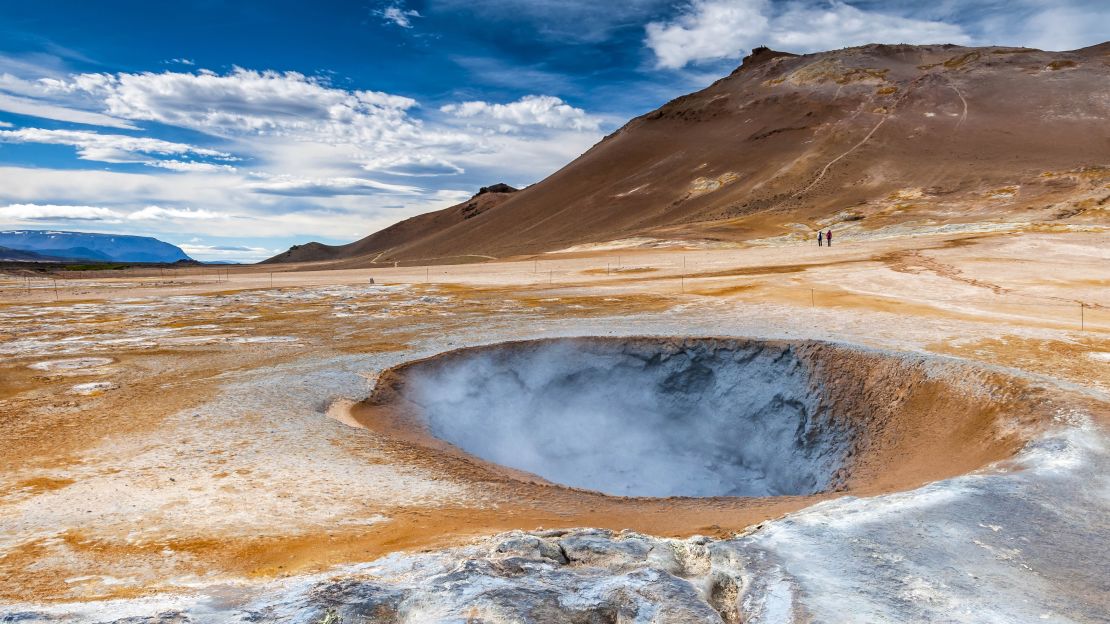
(8, 254)
(90, 246)
(873, 136)
(400, 234)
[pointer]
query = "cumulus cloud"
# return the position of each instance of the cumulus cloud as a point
(710, 30)
(531, 110)
(320, 155)
(112, 148)
(287, 118)
(244, 102)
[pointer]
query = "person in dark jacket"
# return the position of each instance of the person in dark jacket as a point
(820, 237)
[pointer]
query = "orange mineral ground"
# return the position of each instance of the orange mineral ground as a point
(165, 433)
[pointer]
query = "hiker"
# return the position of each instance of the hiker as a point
(820, 237)
(828, 238)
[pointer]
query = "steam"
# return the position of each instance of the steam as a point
(708, 418)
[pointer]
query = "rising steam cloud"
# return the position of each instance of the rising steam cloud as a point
(642, 418)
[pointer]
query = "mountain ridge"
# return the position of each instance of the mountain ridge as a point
(866, 137)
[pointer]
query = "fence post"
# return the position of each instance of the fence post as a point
(1082, 320)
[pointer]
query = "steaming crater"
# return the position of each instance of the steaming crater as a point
(647, 417)
(699, 420)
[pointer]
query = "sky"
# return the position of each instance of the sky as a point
(236, 128)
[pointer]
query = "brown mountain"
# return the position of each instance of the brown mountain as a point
(861, 138)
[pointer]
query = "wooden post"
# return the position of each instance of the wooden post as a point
(811, 300)
(55, 290)
(271, 280)
(1082, 320)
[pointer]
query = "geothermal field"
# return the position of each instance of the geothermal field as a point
(901, 428)
(824, 341)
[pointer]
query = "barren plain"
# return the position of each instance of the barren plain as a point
(195, 445)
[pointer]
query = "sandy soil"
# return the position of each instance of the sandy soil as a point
(165, 431)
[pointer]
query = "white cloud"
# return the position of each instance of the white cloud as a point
(841, 25)
(397, 14)
(332, 218)
(408, 164)
(4, 124)
(46, 110)
(190, 166)
(179, 61)
(309, 145)
(531, 110)
(709, 29)
(54, 212)
(1062, 25)
(717, 29)
(112, 148)
(294, 186)
(289, 123)
(245, 102)
(259, 109)
(154, 213)
(51, 212)
(236, 253)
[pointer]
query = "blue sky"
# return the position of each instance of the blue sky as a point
(238, 128)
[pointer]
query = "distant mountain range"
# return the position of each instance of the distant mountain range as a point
(55, 246)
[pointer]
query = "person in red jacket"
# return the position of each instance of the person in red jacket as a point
(828, 238)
